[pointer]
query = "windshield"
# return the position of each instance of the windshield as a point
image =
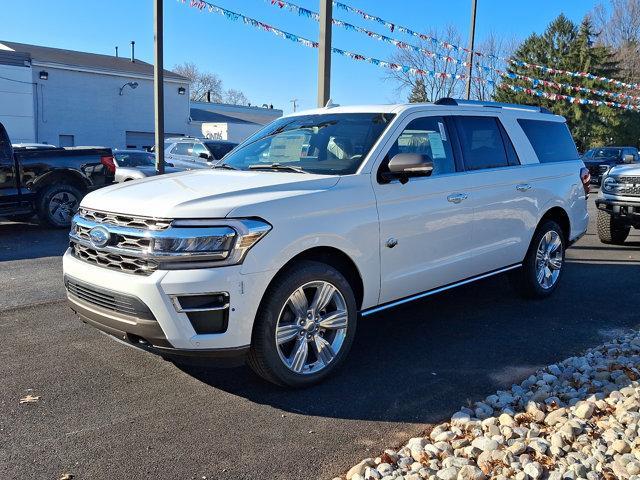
(135, 159)
(607, 153)
(327, 144)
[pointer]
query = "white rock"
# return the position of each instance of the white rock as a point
(534, 470)
(450, 473)
(584, 410)
(470, 472)
(485, 444)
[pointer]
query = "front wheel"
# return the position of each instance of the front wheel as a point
(610, 230)
(305, 326)
(542, 267)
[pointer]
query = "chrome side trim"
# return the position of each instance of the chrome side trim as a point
(395, 303)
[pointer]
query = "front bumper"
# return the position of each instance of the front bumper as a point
(148, 316)
(624, 210)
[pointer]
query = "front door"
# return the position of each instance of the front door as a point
(425, 224)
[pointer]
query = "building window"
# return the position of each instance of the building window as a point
(66, 141)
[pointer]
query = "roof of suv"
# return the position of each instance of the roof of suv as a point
(464, 105)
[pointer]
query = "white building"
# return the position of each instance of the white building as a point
(65, 98)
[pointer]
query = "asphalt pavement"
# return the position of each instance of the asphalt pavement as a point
(108, 411)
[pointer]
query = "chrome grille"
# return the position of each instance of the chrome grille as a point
(635, 180)
(128, 242)
(147, 223)
(114, 261)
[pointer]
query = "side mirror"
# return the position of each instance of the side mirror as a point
(405, 165)
(628, 159)
(206, 156)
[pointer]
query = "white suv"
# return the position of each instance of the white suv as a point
(321, 218)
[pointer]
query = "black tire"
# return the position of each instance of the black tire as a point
(610, 230)
(264, 357)
(57, 205)
(22, 218)
(525, 279)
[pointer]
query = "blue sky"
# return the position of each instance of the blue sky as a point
(267, 68)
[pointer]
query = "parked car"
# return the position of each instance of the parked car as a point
(136, 164)
(49, 182)
(600, 160)
(191, 153)
(619, 203)
(322, 217)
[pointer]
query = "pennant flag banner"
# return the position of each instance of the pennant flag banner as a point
(567, 98)
(233, 16)
(393, 27)
(304, 12)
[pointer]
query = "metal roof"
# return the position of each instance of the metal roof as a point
(201, 115)
(87, 60)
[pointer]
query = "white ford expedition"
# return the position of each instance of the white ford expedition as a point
(324, 217)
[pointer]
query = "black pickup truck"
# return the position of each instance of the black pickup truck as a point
(49, 182)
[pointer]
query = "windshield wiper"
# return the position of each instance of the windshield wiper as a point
(226, 166)
(277, 166)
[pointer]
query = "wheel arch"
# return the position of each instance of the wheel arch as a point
(70, 177)
(561, 217)
(334, 257)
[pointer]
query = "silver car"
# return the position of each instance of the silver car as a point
(135, 164)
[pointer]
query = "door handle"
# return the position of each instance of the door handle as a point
(523, 187)
(457, 197)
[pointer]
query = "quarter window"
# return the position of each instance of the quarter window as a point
(481, 143)
(551, 141)
(426, 136)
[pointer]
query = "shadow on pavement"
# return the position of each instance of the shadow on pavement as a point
(421, 362)
(19, 241)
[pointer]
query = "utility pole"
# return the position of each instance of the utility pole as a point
(324, 53)
(472, 40)
(158, 84)
(294, 102)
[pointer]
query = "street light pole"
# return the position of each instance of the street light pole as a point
(158, 84)
(324, 53)
(472, 39)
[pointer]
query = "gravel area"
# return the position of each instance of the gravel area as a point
(577, 419)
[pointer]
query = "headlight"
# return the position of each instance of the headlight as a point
(610, 184)
(205, 243)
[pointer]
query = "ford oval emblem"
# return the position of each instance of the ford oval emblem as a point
(99, 236)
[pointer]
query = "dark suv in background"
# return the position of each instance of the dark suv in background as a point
(191, 153)
(600, 160)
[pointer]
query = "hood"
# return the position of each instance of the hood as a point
(631, 169)
(203, 193)
(149, 171)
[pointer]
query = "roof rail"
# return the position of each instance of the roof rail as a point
(478, 103)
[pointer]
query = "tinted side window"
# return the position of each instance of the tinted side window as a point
(6, 156)
(551, 141)
(481, 143)
(198, 148)
(425, 136)
(219, 150)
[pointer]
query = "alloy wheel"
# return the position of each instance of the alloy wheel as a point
(62, 207)
(311, 327)
(549, 259)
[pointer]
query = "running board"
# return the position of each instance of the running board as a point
(372, 310)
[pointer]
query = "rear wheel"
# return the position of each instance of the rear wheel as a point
(610, 230)
(58, 204)
(543, 265)
(305, 326)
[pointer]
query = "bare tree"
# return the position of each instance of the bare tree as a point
(619, 28)
(201, 82)
(235, 97)
(427, 88)
(486, 74)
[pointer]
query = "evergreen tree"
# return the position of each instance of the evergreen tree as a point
(418, 92)
(571, 47)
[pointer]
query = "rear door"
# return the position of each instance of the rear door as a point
(503, 201)
(9, 191)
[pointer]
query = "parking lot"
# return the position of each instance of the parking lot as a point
(109, 411)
